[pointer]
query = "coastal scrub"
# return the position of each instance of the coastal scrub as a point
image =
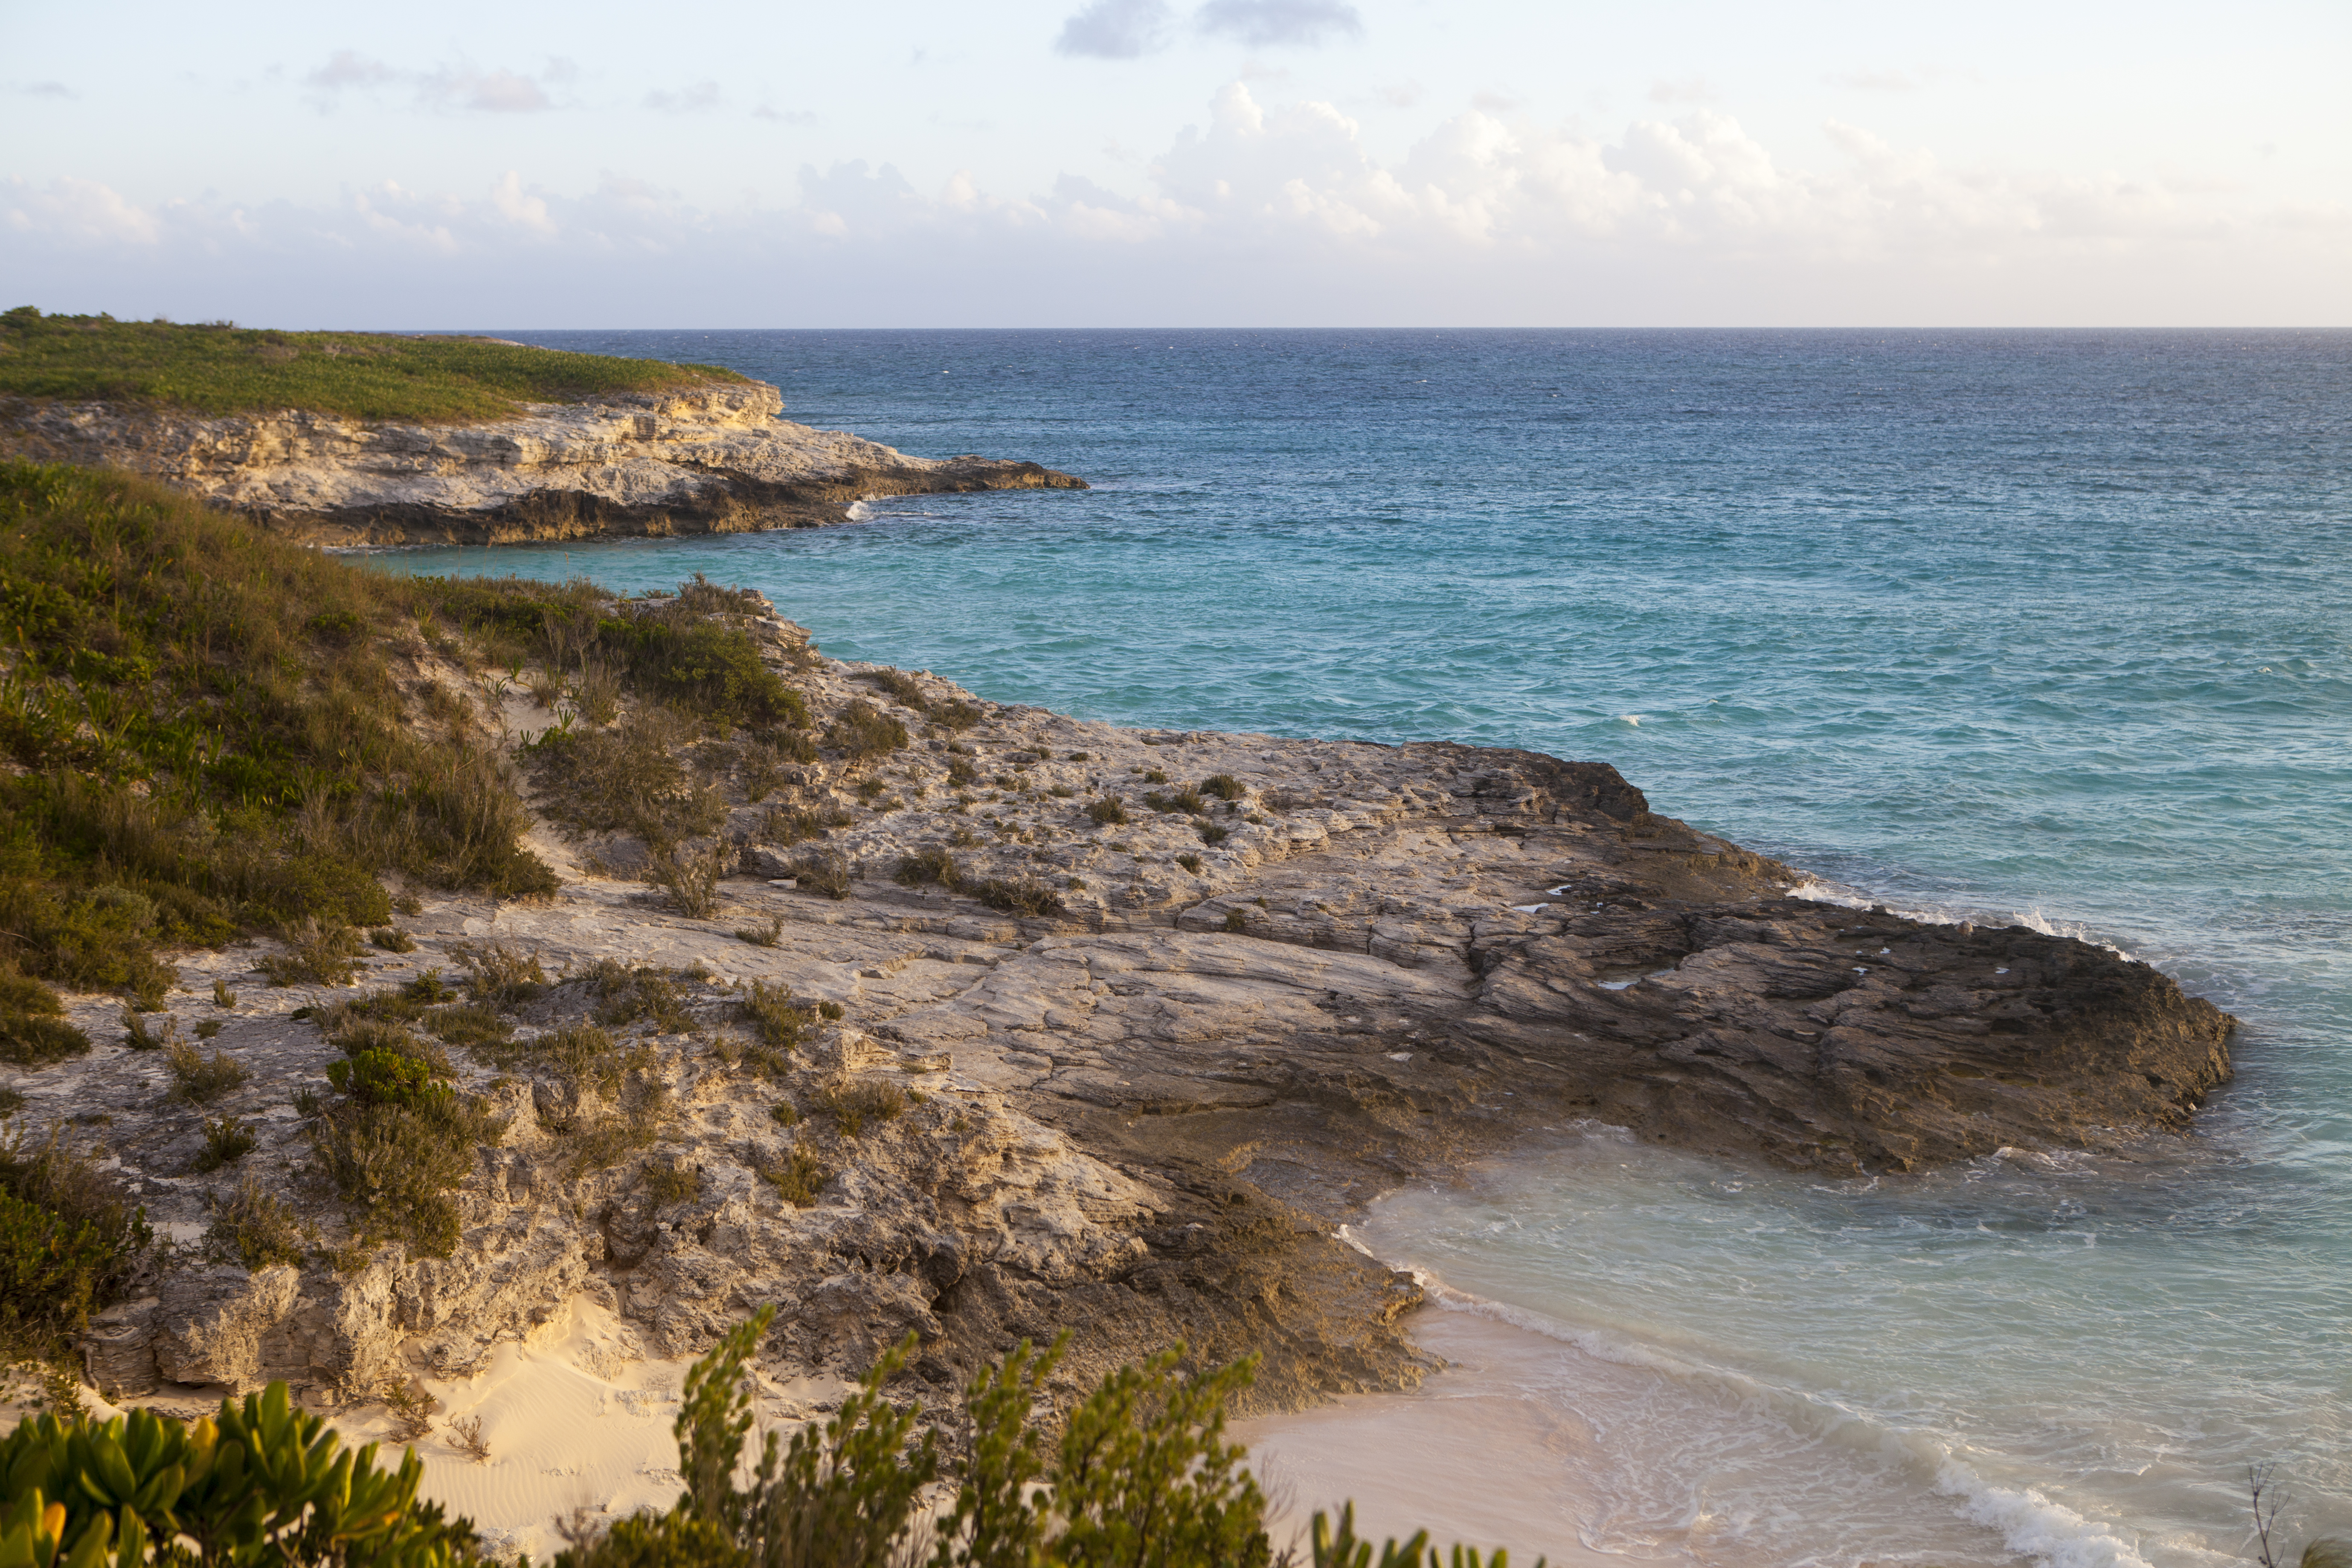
(219, 368)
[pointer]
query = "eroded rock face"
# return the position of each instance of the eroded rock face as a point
(715, 459)
(1328, 968)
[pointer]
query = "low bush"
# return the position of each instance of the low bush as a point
(205, 734)
(1224, 786)
(1108, 812)
(900, 685)
(626, 996)
(860, 731)
(798, 1178)
(33, 1027)
(1020, 896)
(670, 1181)
(392, 939)
(226, 1141)
(851, 1104)
(1185, 800)
(70, 1242)
(398, 1141)
(322, 953)
(689, 875)
(928, 865)
(1214, 833)
(825, 875)
(1190, 862)
(777, 1021)
(199, 1080)
(497, 975)
(767, 933)
(253, 1229)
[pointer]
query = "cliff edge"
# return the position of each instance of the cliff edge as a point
(701, 458)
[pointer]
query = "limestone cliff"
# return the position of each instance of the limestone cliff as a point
(1138, 1017)
(712, 460)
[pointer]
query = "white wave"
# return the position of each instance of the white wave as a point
(860, 512)
(2032, 1524)
(1814, 891)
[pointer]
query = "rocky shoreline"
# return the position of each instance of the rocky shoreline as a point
(1126, 1068)
(713, 459)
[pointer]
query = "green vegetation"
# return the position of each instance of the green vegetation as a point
(222, 369)
(70, 1243)
(851, 1104)
(254, 1229)
(32, 1030)
(208, 734)
(261, 1482)
(1108, 812)
(1224, 786)
(801, 1176)
(861, 732)
(397, 1139)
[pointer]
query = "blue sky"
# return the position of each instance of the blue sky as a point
(1180, 162)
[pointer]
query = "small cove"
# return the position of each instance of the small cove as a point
(2037, 626)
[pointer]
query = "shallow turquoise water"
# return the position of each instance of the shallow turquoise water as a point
(2045, 624)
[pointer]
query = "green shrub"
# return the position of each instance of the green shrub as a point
(260, 1482)
(1224, 786)
(374, 1075)
(253, 1229)
(624, 995)
(226, 1140)
(1022, 896)
(767, 933)
(206, 734)
(32, 1030)
(1213, 833)
(1108, 812)
(775, 1019)
(69, 1243)
(199, 1080)
(853, 1104)
(1184, 800)
(324, 953)
(672, 1183)
(825, 875)
(1190, 862)
(860, 732)
(496, 974)
(676, 653)
(1233, 921)
(689, 875)
(900, 685)
(398, 1144)
(932, 864)
(392, 939)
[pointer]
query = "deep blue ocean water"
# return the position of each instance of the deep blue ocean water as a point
(2049, 625)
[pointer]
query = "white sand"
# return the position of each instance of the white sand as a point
(1416, 1461)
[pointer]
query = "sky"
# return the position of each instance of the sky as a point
(1180, 162)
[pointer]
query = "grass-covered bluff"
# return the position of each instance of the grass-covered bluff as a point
(221, 369)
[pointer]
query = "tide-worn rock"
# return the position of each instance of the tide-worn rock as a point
(710, 459)
(1119, 1026)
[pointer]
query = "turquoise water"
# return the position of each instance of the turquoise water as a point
(2043, 624)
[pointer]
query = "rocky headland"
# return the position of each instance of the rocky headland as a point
(710, 458)
(983, 1021)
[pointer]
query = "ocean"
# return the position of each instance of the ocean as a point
(2044, 626)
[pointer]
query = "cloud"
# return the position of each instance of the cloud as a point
(1261, 22)
(701, 95)
(1402, 94)
(1114, 30)
(1269, 211)
(492, 92)
(43, 90)
(784, 116)
(450, 87)
(349, 68)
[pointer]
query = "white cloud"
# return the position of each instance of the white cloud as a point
(700, 95)
(1261, 22)
(77, 214)
(1115, 29)
(497, 92)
